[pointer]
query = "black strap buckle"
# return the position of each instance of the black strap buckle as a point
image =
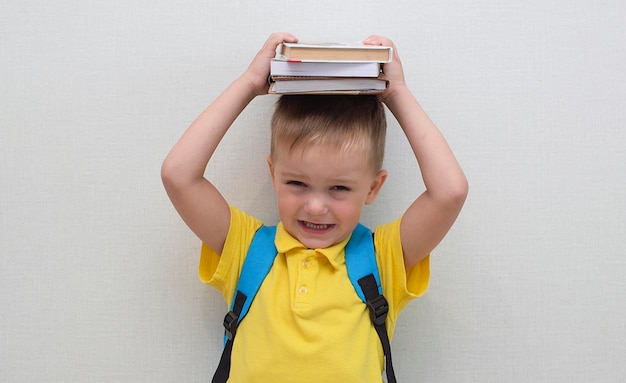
(230, 324)
(379, 307)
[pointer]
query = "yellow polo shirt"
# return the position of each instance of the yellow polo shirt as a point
(307, 324)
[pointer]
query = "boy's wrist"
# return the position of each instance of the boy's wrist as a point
(396, 94)
(256, 83)
(247, 86)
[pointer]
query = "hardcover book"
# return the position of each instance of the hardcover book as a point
(324, 69)
(346, 85)
(334, 52)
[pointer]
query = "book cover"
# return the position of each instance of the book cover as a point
(334, 52)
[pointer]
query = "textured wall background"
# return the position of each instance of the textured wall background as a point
(98, 274)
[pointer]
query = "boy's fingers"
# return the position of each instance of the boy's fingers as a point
(277, 38)
(378, 40)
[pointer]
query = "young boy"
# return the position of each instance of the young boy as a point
(307, 323)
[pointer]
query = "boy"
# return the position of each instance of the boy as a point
(307, 323)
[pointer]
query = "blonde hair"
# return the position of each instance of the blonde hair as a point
(341, 122)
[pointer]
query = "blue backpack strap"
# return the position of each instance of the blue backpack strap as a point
(363, 273)
(256, 266)
(361, 259)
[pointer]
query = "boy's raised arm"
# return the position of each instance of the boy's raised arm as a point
(198, 202)
(430, 216)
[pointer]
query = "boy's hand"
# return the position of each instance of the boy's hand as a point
(257, 73)
(392, 71)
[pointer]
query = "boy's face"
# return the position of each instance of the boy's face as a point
(321, 192)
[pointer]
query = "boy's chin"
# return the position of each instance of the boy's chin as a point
(317, 240)
(313, 244)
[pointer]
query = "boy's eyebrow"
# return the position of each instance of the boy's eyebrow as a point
(291, 174)
(331, 180)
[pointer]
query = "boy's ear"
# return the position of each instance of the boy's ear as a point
(270, 164)
(376, 185)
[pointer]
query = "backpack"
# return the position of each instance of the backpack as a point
(362, 271)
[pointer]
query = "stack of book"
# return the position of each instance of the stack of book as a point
(328, 69)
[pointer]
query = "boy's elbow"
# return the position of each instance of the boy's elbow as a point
(169, 174)
(462, 188)
(458, 192)
(166, 172)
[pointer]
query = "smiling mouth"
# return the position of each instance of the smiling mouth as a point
(316, 226)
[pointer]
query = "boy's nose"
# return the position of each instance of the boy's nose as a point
(315, 205)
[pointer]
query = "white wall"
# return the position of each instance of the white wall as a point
(98, 274)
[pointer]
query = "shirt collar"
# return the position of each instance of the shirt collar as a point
(285, 242)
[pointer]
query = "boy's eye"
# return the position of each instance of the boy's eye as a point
(295, 183)
(340, 188)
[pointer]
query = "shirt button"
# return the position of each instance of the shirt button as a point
(303, 290)
(306, 263)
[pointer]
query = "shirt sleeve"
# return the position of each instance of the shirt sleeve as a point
(399, 286)
(222, 272)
